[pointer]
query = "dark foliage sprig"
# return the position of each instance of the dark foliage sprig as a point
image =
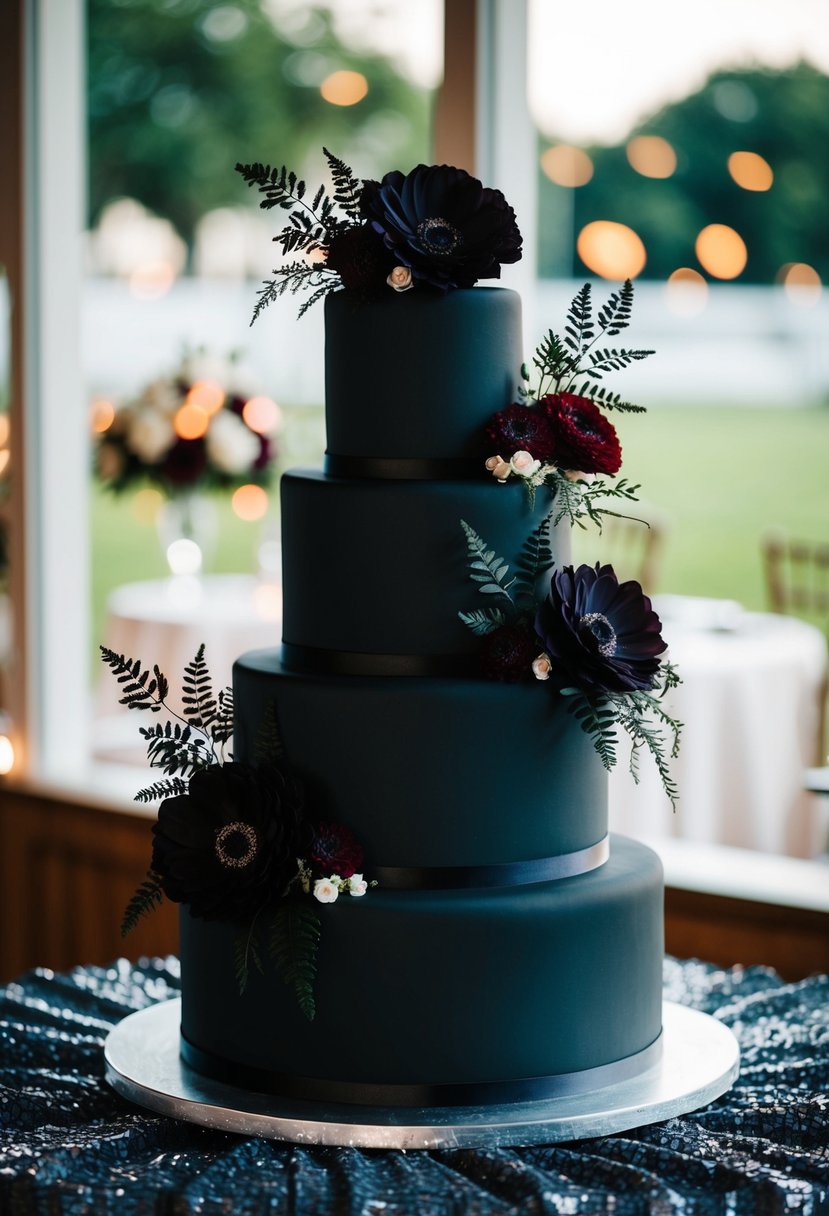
(296, 277)
(146, 899)
(171, 787)
(534, 560)
(560, 360)
(485, 568)
(347, 187)
(247, 952)
(293, 943)
(140, 691)
(576, 501)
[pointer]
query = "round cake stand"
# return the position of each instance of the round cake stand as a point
(699, 1061)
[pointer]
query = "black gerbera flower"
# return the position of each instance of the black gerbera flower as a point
(521, 428)
(231, 843)
(442, 223)
(601, 634)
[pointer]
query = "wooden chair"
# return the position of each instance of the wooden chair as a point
(634, 547)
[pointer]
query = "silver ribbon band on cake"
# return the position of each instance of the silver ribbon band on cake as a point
(394, 468)
(473, 1093)
(506, 874)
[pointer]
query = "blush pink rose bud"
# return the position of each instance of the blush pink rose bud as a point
(499, 468)
(542, 667)
(400, 278)
(326, 890)
(524, 464)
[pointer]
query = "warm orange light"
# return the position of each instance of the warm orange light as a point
(721, 251)
(146, 505)
(5, 430)
(151, 280)
(610, 250)
(5, 457)
(344, 88)
(750, 171)
(687, 292)
(101, 415)
(566, 165)
(801, 282)
(249, 502)
(6, 755)
(191, 421)
(651, 155)
(207, 395)
(262, 415)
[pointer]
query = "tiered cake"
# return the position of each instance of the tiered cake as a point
(508, 949)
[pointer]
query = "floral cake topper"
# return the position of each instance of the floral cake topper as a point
(235, 842)
(436, 227)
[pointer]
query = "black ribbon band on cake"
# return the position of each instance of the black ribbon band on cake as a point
(315, 660)
(314, 1089)
(391, 468)
(507, 874)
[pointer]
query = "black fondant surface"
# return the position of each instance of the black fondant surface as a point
(381, 566)
(418, 374)
(432, 772)
(450, 987)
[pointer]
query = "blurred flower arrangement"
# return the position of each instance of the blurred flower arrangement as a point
(202, 426)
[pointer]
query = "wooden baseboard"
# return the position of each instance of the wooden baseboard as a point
(68, 871)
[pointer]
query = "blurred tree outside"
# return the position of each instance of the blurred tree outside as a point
(182, 90)
(781, 115)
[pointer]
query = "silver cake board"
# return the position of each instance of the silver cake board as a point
(699, 1062)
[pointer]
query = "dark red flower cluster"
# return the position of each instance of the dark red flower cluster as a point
(561, 429)
(507, 653)
(335, 850)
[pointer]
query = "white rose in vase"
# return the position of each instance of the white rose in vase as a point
(231, 446)
(150, 435)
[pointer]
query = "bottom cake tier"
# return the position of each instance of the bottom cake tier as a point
(425, 997)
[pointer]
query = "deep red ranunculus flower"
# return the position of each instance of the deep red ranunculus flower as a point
(335, 851)
(600, 634)
(584, 439)
(508, 652)
(521, 428)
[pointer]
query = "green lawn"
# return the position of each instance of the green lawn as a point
(721, 475)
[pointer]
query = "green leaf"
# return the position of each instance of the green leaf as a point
(597, 719)
(145, 900)
(535, 558)
(246, 953)
(485, 568)
(293, 944)
(483, 620)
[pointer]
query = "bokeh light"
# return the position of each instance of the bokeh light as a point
(610, 250)
(566, 165)
(151, 280)
(344, 88)
(686, 292)
(5, 457)
(267, 600)
(6, 755)
(250, 503)
(146, 505)
(5, 430)
(184, 556)
(262, 415)
(651, 155)
(207, 395)
(101, 415)
(191, 421)
(721, 251)
(801, 282)
(750, 171)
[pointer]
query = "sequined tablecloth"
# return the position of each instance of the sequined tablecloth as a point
(69, 1144)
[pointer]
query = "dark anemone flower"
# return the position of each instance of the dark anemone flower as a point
(360, 258)
(334, 850)
(521, 428)
(443, 224)
(231, 842)
(600, 634)
(584, 439)
(508, 652)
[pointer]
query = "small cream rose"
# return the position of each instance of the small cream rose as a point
(493, 462)
(357, 885)
(400, 278)
(326, 890)
(524, 464)
(542, 667)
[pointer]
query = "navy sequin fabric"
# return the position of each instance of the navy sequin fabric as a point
(69, 1144)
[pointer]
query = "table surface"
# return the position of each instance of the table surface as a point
(69, 1144)
(749, 703)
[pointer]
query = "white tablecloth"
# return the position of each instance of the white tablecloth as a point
(749, 703)
(165, 621)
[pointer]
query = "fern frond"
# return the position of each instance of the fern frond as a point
(347, 188)
(597, 718)
(608, 359)
(197, 693)
(535, 558)
(578, 329)
(293, 943)
(483, 620)
(269, 746)
(615, 315)
(221, 728)
(171, 788)
(247, 952)
(485, 568)
(174, 749)
(600, 395)
(140, 689)
(145, 900)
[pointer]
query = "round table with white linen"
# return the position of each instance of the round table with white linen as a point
(749, 702)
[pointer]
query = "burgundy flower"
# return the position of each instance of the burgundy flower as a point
(230, 844)
(185, 462)
(443, 224)
(600, 634)
(360, 258)
(584, 439)
(334, 850)
(521, 428)
(507, 653)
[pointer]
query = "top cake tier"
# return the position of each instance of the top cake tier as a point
(414, 378)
